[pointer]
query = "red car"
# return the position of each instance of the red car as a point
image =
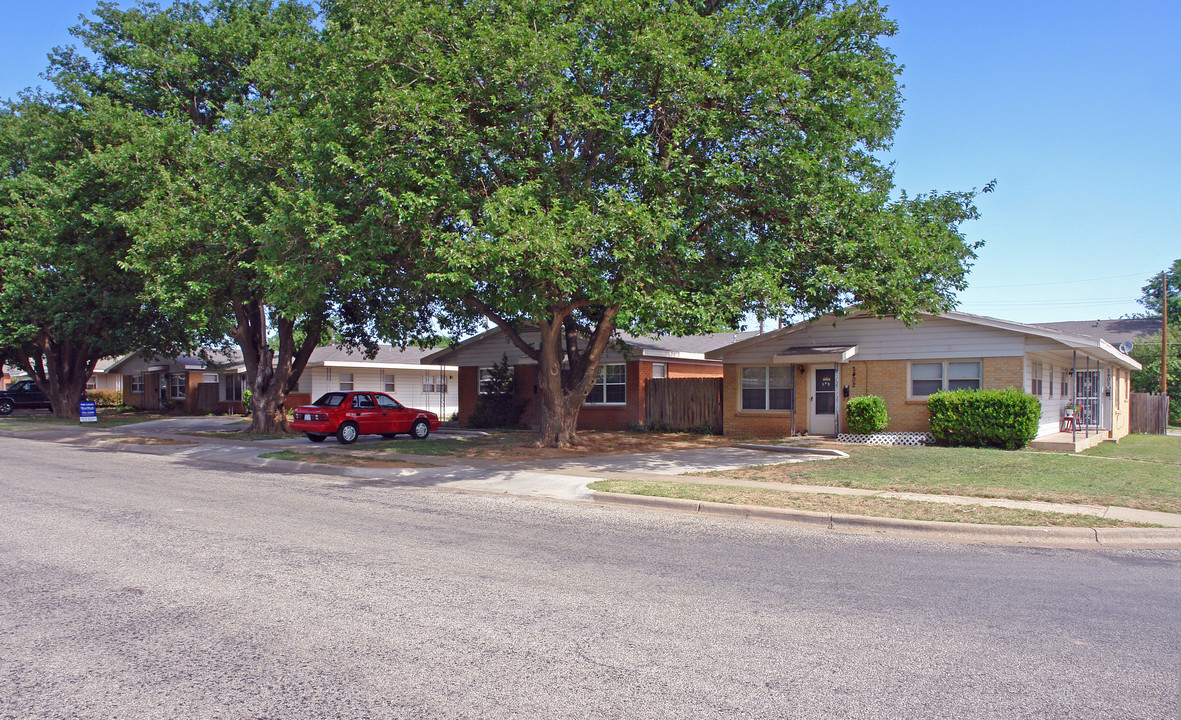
(348, 415)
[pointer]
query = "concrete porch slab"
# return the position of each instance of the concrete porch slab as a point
(1064, 442)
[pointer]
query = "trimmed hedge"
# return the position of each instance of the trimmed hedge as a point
(866, 414)
(105, 398)
(985, 418)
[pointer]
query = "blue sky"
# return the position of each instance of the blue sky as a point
(1071, 106)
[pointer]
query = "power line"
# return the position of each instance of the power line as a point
(1063, 282)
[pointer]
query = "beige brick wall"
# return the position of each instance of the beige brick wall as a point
(887, 378)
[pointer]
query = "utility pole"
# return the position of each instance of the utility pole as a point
(1164, 334)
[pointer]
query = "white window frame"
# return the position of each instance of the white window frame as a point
(234, 384)
(344, 379)
(945, 379)
(1036, 386)
(659, 371)
(92, 382)
(766, 388)
(177, 383)
(389, 382)
(601, 385)
(137, 383)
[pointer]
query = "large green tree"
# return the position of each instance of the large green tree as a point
(1147, 352)
(584, 167)
(67, 296)
(257, 227)
(1154, 290)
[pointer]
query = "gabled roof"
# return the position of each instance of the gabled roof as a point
(1113, 331)
(1095, 345)
(693, 347)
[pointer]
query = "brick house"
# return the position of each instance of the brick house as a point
(800, 378)
(618, 397)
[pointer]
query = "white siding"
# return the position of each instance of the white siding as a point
(890, 339)
(407, 385)
(493, 349)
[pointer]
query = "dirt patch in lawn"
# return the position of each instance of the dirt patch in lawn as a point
(345, 459)
(518, 445)
(150, 441)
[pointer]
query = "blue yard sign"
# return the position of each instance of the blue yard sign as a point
(87, 412)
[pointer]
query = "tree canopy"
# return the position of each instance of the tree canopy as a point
(256, 225)
(1153, 291)
(658, 167)
(67, 296)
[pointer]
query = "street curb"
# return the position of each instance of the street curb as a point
(1081, 538)
(793, 449)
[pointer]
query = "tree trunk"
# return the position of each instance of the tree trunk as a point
(270, 379)
(61, 371)
(561, 395)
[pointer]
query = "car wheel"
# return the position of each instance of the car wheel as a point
(6, 407)
(316, 437)
(389, 436)
(420, 429)
(347, 433)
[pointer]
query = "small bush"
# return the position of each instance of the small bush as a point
(985, 418)
(105, 398)
(866, 414)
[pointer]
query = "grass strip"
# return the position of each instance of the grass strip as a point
(857, 505)
(241, 435)
(991, 473)
(104, 421)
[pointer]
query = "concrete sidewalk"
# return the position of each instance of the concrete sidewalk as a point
(565, 479)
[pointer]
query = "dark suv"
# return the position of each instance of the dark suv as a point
(23, 394)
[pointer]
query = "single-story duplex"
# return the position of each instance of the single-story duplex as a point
(213, 382)
(800, 378)
(617, 398)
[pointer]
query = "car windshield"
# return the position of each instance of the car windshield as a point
(332, 399)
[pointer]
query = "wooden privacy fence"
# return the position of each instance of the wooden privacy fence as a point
(205, 400)
(1149, 413)
(684, 403)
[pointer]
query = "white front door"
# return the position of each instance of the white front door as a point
(822, 404)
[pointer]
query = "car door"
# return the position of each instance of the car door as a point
(365, 413)
(400, 418)
(27, 394)
(392, 414)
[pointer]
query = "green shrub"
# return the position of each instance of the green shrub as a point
(105, 398)
(985, 418)
(866, 414)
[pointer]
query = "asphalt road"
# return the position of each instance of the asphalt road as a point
(136, 586)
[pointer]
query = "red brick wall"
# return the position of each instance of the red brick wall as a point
(469, 392)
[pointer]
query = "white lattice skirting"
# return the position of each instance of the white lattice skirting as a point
(889, 438)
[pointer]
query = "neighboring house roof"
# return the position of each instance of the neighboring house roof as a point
(212, 360)
(689, 347)
(388, 357)
(1094, 345)
(1113, 331)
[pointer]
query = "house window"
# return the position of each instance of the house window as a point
(1050, 385)
(1035, 381)
(92, 383)
(1065, 383)
(659, 371)
(486, 384)
(435, 384)
(176, 385)
(611, 387)
(209, 378)
(233, 388)
(346, 382)
(388, 383)
(137, 383)
(928, 378)
(768, 388)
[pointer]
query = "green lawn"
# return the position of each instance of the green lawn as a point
(855, 505)
(1143, 472)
